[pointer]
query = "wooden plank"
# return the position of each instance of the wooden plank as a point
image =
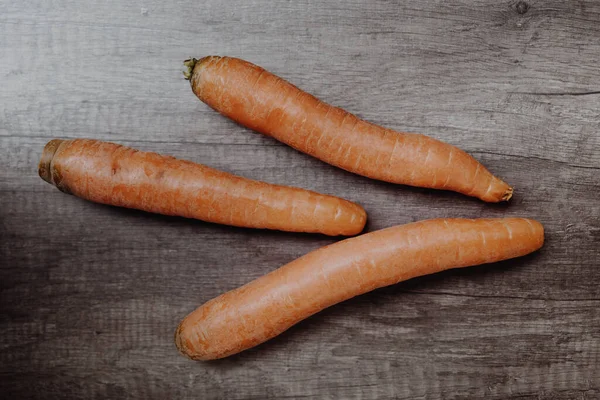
(90, 295)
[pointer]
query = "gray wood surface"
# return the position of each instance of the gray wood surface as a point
(90, 295)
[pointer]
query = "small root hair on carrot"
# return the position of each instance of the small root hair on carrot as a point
(508, 194)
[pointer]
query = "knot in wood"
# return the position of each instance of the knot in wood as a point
(522, 7)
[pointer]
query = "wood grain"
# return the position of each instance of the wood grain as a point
(90, 295)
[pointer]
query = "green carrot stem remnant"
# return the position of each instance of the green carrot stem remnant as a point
(189, 64)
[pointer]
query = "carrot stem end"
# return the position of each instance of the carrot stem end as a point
(45, 165)
(189, 64)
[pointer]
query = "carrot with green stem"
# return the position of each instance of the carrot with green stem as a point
(121, 176)
(268, 104)
(267, 306)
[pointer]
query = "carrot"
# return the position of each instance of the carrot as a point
(112, 174)
(268, 104)
(267, 306)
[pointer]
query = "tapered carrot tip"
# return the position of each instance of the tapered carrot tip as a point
(493, 192)
(44, 168)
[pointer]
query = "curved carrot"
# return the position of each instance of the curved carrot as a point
(268, 104)
(112, 174)
(267, 306)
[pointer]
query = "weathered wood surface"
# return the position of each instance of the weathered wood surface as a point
(90, 295)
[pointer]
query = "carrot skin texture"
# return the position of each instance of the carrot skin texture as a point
(269, 305)
(268, 104)
(121, 176)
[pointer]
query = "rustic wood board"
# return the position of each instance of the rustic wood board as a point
(90, 295)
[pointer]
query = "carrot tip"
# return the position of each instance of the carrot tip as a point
(508, 194)
(44, 167)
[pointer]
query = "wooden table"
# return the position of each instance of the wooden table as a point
(90, 295)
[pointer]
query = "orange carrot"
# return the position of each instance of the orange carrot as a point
(112, 174)
(268, 104)
(267, 306)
